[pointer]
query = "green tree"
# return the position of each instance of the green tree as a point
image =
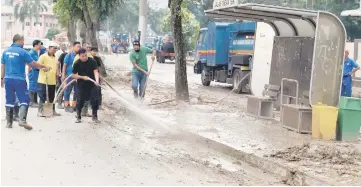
(190, 27)
(197, 7)
(51, 33)
(155, 18)
(28, 9)
(89, 12)
(68, 12)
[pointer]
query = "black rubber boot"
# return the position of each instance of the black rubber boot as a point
(23, 113)
(78, 117)
(9, 117)
(16, 113)
(95, 116)
(54, 112)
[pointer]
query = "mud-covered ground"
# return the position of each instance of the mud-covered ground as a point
(129, 147)
(215, 113)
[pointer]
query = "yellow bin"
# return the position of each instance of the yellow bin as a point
(324, 122)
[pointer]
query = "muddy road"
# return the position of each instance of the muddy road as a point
(122, 150)
(227, 122)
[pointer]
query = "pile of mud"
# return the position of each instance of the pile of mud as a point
(119, 74)
(337, 153)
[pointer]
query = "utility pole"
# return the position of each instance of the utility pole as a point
(142, 27)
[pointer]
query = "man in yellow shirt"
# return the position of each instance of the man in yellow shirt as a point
(47, 78)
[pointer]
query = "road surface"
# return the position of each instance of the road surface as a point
(122, 150)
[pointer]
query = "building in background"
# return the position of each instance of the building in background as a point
(32, 28)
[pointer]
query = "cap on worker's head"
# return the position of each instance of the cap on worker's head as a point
(136, 42)
(82, 50)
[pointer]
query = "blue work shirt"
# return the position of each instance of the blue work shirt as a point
(348, 66)
(15, 58)
(68, 60)
(42, 50)
(34, 55)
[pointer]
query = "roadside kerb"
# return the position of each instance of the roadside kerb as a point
(289, 175)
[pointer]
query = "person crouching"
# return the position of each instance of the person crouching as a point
(47, 79)
(83, 70)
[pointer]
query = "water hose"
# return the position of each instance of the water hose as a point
(63, 89)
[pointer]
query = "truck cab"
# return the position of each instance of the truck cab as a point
(165, 49)
(224, 53)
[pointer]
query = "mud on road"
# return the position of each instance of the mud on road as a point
(210, 119)
(122, 150)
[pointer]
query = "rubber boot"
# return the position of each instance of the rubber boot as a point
(95, 116)
(9, 117)
(23, 114)
(78, 117)
(54, 112)
(16, 113)
(41, 110)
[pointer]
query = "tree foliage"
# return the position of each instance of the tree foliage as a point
(90, 12)
(190, 26)
(51, 33)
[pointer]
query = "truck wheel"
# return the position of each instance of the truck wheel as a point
(237, 87)
(205, 81)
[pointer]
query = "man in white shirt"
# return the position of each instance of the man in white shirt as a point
(60, 51)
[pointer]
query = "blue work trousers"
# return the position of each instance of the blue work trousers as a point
(346, 89)
(69, 89)
(16, 88)
(138, 81)
(33, 76)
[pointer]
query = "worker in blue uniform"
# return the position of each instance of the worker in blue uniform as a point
(13, 61)
(349, 68)
(33, 74)
(42, 49)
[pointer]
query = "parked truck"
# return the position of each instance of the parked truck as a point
(224, 53)
(165, 48)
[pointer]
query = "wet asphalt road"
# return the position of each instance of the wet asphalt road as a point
(120, 151)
